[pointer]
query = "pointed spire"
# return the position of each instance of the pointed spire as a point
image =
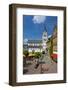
(44, 26)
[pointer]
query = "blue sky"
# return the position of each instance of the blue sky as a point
(34, 26)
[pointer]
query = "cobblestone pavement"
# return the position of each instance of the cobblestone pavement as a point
(49, 67)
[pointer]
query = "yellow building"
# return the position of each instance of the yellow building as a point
(52, 42)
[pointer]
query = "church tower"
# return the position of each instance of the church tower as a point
(44, 41)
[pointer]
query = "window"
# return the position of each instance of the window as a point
(44, 39)
(45, 35)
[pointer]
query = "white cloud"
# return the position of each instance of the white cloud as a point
(39, 19)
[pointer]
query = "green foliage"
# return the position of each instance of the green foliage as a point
(37, 54)
(26, 53)
(33, 52)
(51, 47)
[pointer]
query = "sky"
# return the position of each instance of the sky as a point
(34, 26)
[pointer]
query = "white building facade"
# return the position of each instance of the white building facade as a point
(37, 45)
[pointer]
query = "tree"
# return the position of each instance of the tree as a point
(26, 53)
(33, 51)
(37, 54)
